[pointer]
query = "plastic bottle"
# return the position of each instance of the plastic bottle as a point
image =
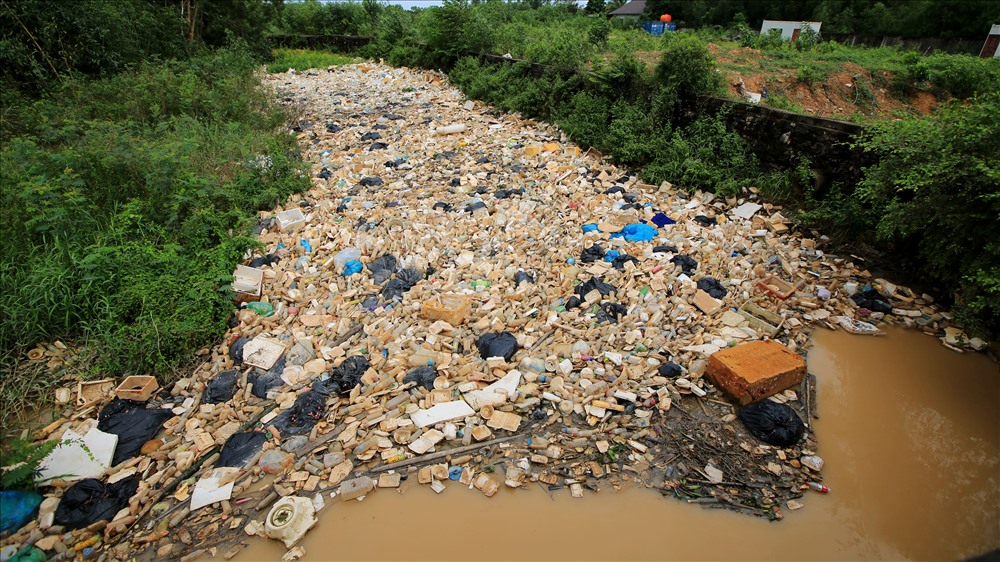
(819, 487)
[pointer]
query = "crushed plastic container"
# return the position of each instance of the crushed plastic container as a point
(289, 519)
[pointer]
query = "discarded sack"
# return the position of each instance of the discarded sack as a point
(773, 423)
(423, 376)
(872, 300)
(405, 280)
(502, 344)
(134, 425)
(89, 501)
(591, 254)
(220, 388)
(636, 232)
(17, 508)
(236, 350)
(264, 382)
(345, 377)
(240, 448)
(712, 286)
(604, 288)
(382, 268)
(309, 408)
(687, 263)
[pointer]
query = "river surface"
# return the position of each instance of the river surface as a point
(910, 432)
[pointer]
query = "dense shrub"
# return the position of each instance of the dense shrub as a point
(128, 198)
(935, 197)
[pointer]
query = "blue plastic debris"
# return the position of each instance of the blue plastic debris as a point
(17, 508)
(661, 220)
(352, 267)
(610, 255)
(636, 232)
(590, 227)
(306, 245)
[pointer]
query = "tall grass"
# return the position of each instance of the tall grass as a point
(130, 200)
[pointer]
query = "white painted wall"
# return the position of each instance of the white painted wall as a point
(787, 27)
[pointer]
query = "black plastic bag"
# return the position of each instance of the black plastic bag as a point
(240, 448)
(670, 370)
(687, 263)
(89, 501)
(309, 408)
(133, 424)
(573, 302)
(614, 189)
(502, 344)
(773, 423)
(345, 377)
(604, 288)
(404, 281)
(263, 382)
(378, 146)
(712, 286)
(423, 376)
(325, 174)
(619, 261)
(220, 388)
(446, 207)
(521, 277)
(236, 350)
(382, 268)
(261, 261)
(611, 312)
(371, 136)
(872, 300)
(371, 182)
(472, 207)
(705, 221)
(591, 254)
(505, 193)
(664, 249)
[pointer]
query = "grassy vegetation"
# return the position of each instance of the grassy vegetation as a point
(301, 59)
(132, 198)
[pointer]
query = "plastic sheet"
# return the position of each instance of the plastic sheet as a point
(240, 448)
(89, 501)
(133, 423)
(220, 388)
(17, 508)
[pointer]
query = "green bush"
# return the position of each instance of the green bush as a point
(936, 194)
(129, 197)
(301, 59)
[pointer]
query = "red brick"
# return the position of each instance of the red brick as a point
(755, 370)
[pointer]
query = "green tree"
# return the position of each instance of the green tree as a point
(595, 7)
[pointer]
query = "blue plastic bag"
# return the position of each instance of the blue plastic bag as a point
(637, 232)
(661, 220)
(352, 267)
(17, 508)
(590, 227)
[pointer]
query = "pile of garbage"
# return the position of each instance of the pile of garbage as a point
(466, 299)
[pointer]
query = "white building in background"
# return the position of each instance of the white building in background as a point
(991, 48)
(789, 29)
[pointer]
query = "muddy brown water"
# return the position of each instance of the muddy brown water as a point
(911, 437)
